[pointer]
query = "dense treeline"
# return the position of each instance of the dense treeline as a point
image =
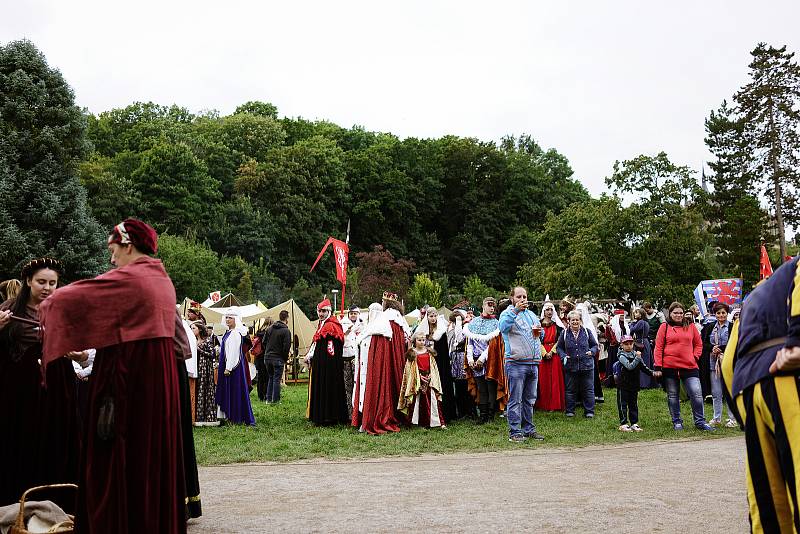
(245, 201)
(271, 190)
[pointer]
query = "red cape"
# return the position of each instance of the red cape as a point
(331, 327)
(131, 303)
(382, 389)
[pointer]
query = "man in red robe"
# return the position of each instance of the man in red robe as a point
(384, 370)
(130, 477)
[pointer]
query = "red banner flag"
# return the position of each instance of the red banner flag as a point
(766, 266)
(340, 253)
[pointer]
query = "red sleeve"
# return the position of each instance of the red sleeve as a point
(659, 352)
(697, 343)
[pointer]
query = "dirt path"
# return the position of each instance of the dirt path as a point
(675, 486)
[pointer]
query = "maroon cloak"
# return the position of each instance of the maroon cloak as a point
(130, 480)
(40, 436)
(385, 361)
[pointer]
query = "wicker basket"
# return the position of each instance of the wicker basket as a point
(19, 525)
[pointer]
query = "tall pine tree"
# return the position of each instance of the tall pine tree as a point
(770, 109)
(44, 209)
(738, 221)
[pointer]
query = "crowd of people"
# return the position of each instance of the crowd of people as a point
(88, 411)
(380, 374)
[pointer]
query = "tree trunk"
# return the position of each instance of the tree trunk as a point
(777, 186)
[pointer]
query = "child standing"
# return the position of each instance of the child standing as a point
(631, 365)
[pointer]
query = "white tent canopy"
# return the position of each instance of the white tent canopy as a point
(249, 313)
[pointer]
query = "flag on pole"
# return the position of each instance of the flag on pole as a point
(341, 252)
(765, 270)
(726, 290)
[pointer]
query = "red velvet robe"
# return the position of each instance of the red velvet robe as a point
(382, 389)
(131, 482)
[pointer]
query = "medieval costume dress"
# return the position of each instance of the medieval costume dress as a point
(132, 456)
(381, 390)
(326, 396)
(186, 349)
(349, 354)
(206, 403)
(362, 359)
(480, 333)
(551, 370)
(40, 440)
(233, 391)
(457, 345)
(421, 390)
(438, 341)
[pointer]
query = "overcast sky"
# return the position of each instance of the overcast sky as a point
(598, 81)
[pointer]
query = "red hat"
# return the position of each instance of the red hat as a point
(324, 304)
(626, 339)
(137, 233)
(619, 312)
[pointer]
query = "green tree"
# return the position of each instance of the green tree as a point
(424, 291)
(176, 187)
(254, 107)
(583, 252)
(112, 197)
(195, 269)
(737, 220)
(44, 209)
(238, 229)
(303, 188)
(770, 109)
(475, 290)
(252, 136)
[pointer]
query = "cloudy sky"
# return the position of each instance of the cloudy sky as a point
(598, 81)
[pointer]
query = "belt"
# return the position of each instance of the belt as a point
(348, 358)
(767, 344)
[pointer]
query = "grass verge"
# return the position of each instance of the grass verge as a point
(283, 434)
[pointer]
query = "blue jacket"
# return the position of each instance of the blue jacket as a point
(573, 351)
(517, 330)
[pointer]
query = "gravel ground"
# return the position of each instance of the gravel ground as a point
(672, 486)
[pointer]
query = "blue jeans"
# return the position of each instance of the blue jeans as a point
(522, 381)
(274, 375)
(716, 391)
(579, 384)
(692, 386)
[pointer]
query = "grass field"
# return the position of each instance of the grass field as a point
(283, 434)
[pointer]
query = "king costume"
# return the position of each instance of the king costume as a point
(384, 371)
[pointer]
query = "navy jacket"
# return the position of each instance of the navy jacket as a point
(770, 312)
(574, 350)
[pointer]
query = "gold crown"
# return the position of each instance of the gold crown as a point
(391, 297)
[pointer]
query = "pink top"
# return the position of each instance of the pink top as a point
(682, 348)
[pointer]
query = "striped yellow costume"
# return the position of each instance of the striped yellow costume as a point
(768, 405)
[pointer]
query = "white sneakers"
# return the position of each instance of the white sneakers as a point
(632, 428)
(636, 428)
